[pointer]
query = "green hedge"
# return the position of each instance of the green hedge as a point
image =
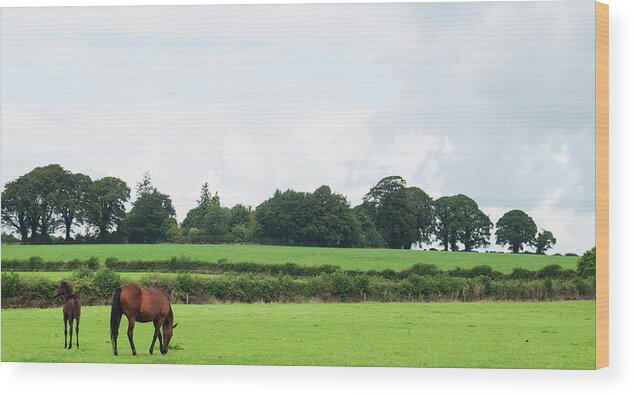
(95, 288)
(186, 265)
(37, 264)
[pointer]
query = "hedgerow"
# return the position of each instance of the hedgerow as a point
(186, 265)
(95, 288)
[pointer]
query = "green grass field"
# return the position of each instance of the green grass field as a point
(346, 258)
(485, 334)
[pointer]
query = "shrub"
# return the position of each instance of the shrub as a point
(105, 282)
(587, 263)
(521, 273)
(11, 285)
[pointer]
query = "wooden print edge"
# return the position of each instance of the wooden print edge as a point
(602, 183)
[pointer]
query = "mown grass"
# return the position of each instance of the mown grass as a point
(346, 258)
(484, 335)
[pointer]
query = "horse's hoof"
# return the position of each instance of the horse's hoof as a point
(116, 353)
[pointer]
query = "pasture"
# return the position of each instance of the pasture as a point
(346, 258)
(484, 335)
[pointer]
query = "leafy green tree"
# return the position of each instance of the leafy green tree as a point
(423, 212)
(369, 237)
(516, 229)
(447, 222)
(152, 217)
(205, 195)
(587, 263)
(378, 194)
(42, 194)
(321, 218)
(15, 208)
(145, 185)
(72, 195)
(396, 221)
(458, 219)
(216, 223)
(105, 209)
(402, 215)
(195, 217)
(474, 226)
(283, 217)
(545, 241)
(333, 223)
(242, 223)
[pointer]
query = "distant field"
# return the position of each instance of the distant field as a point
(557, 335)
(346, 258)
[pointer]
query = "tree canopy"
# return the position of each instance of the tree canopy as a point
(50, 200)
(152, 215)
(516, 229)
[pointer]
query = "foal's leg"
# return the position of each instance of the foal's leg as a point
(65, 330)
(130, 332)
(77, 331)
(70, 343)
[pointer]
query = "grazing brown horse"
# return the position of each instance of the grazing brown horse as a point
(142, 305)
(72, 311)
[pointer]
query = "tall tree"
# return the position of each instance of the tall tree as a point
(43, 194)
(15, 208)
(73, 193)
(402, 215)
(205, 195)
(151, 219)
(447, 222)
(369, 237)
(195, 217)
(333, 224)
(474, 226)
(145, 185)
(283, 217)
(378, 194)
(545, 241)
(423, 212)
(321, 218)
(106, 204)
(516, 229)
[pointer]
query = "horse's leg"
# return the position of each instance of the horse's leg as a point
(77, 332)
(65, 330)
(70, 342)
(157, 332)
(160, 339)
(130, 332)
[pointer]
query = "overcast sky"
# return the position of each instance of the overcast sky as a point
(493, 100)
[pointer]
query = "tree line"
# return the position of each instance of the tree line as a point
(392, 214)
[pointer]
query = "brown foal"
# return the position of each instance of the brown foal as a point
(72, 311)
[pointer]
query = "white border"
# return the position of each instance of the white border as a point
(91, 379)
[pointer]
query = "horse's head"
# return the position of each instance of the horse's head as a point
(168, 332)
(62, 289)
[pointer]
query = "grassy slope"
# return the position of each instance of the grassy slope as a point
(347, 258)
(502, 334)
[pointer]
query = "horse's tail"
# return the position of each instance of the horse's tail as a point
(115, 318)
